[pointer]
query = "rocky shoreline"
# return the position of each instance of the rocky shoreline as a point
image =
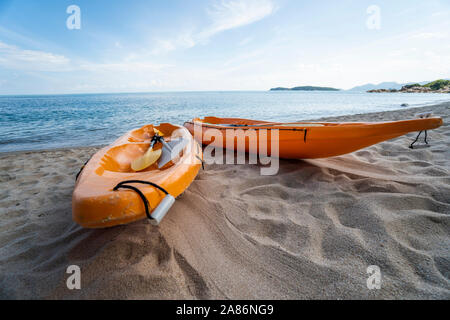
(438, 86)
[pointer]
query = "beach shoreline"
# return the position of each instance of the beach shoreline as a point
(331, 119)
(34, 124)
(309, 232)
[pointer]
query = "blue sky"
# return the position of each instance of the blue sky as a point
(138, 46)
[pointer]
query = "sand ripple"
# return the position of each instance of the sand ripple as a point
(309, 232)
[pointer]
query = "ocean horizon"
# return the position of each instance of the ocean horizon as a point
(37, 122)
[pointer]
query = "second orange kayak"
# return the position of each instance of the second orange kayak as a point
(302, 140)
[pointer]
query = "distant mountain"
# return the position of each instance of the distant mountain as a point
(383, 85)
(305, 88)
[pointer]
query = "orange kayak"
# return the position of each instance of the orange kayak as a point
(108, 192)
(302, 140)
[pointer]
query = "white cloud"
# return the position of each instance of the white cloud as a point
(16, 58)
(9, 34)
(224, 15)
(232, 14)
(139, 67)
(440, 14)
(185, 40)
(245, 41)
(429, 35)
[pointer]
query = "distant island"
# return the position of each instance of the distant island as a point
(305, 88)
(438, 86)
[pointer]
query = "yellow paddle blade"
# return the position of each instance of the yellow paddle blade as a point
(158, 132)
(149, 158)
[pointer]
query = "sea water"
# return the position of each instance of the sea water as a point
(56, 121)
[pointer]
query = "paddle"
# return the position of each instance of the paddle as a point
(149, 157)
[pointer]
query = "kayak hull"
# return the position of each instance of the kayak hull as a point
(94, 202)
(302, 140)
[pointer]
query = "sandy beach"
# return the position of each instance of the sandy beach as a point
(309, 232)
